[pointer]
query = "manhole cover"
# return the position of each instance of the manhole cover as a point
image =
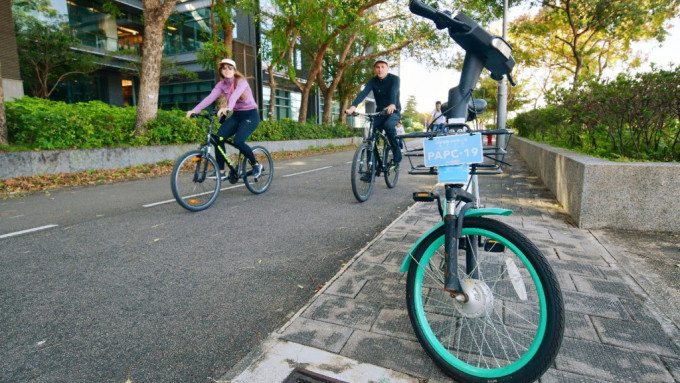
(300, 375)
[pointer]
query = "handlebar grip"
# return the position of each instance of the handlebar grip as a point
(441, 19)
(421, 9)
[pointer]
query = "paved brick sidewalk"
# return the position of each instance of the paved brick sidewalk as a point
(357, 328)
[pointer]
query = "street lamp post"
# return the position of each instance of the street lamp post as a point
(502, 110)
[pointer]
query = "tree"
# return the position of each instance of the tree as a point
(410, 112)
(383, 32)
(3, 119)
(281, 31)
(46, 57)
(156, 13)
(488, 90)
(582, 38)
(318, 31)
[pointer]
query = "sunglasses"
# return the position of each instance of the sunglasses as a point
(230, 67)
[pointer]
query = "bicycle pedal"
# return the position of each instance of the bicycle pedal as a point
(423, 197)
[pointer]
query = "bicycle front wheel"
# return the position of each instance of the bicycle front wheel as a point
(194, 181)
(391, 175)
(259, 184)
(511, 327)
(363, 173)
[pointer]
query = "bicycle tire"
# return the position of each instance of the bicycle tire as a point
(260, 184)
(471, 342)
(194, 181)
(391, 175)
(363, 173)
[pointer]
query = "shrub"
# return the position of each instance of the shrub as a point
(35, 124)
(631, 117)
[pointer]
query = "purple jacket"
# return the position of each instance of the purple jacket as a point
(234, 101)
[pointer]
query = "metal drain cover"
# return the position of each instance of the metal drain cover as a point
(300, 375)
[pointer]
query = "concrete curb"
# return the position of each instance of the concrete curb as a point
(22, 164)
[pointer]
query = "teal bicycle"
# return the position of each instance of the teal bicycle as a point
(483, 300)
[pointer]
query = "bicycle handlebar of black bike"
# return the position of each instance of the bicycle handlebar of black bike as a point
(370, 115)
(441, 19)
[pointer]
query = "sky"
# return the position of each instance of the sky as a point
(429, 86)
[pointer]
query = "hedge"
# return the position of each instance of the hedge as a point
(633, 117)
(39, 124)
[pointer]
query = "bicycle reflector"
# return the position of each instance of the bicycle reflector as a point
(196, 159)
(423, 197)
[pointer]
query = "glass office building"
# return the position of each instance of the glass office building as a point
(114, 30)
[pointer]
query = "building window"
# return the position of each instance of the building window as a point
(184, 95)
(287, 104)
(98, 29)
(185, 32)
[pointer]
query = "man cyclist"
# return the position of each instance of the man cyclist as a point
(437, 118)
(385, 87)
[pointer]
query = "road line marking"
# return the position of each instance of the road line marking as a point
(173, 200)
(27, 231)
(307, 171)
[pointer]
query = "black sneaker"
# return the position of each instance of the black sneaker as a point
(257, 170)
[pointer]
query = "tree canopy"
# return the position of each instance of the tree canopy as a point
(577, 40)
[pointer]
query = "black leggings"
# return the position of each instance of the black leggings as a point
(240, 125)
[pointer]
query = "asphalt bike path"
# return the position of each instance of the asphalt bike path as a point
(117, 291)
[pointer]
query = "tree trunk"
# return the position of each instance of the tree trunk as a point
(155, 16)
(307, 88)
(3, 120)
(272, 94)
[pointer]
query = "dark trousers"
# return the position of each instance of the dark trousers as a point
(389, 125)
(240, 125)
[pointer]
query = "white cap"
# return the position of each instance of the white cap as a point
(228, 61)
(381, 60)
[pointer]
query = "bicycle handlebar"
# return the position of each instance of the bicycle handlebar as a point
(370, 115)
(494, 53)
(441, 19)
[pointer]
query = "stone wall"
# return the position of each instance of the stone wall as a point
(642, 196)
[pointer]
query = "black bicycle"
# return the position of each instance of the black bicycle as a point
(369, 161)
(196, 179)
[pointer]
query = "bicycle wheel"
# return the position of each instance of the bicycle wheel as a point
(194, 180)
(260, 184)
(512, 325)
(391, 175)
(363, 173)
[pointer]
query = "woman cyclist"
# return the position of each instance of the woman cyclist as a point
(245, 119)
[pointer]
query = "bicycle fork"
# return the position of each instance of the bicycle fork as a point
(453, 228)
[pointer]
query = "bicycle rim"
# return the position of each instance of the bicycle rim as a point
(363, 173)
(195, 182)
(260, 184)
(511, 330)
(391, 176)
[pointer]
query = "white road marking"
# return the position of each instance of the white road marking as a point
(172, 200)
(27, 231)
(307, 171)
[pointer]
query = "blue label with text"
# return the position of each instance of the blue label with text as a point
(453, 150)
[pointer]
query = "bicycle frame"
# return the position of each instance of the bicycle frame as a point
(374, 137)
(212, 140)
(483, 50)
